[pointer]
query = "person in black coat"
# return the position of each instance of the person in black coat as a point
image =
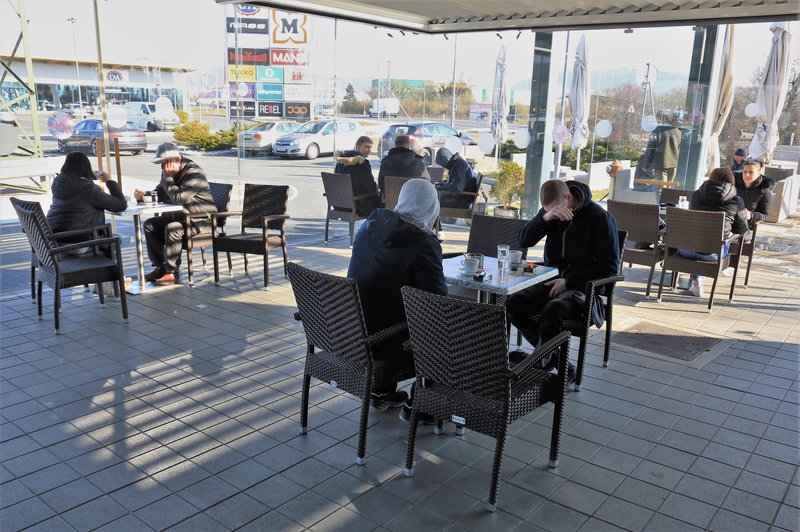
(460, 178)
(738, 161)
(183, 183)
(582, 243)
(393, 249)
(355, 164)
(717, 194)
(78, 202)
(755, 190)
(401, 161)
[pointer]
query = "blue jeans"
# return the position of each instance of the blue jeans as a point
(685, 253)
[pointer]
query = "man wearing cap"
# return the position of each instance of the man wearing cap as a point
(738, 161)
(184, 183)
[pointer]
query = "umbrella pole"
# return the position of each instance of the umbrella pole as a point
(557, 162)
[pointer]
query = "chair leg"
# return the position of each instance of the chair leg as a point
(216, 265)
(362, 429)
(246, 272)
(327, 223)
(39, 299)
(352, 232)
(57, 305)
(203, 256)
(304, 404)
(607, 348)
(661, 283)
(711, 296)
(285, 260)
(498, 464)
(749, 263)
(581, 357)
(650, 279)
(102, 293)
(412, 438)
(558, 411)
(33, 281)
(123, 296)
(266, 269)
(230, 265)
(189, 265)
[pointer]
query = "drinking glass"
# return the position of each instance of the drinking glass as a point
(503, 258)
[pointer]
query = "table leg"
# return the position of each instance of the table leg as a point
(139, 286)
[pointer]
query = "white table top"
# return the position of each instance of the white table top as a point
(147, 208)
(514, 283)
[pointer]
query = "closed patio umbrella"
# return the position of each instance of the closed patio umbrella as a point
(772, 92)
(724, 98)
(500, 106)
(579, 94)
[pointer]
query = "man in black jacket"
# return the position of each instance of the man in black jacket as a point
(182, 183)
(401, 161)
(582, 243)
(394, 249)
(460, 178)
(357, 166)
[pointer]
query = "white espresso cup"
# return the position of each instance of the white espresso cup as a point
(470, 265)
(515, 255)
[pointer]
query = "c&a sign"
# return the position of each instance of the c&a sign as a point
(289, 29)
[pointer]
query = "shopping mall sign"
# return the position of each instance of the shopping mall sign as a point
(289, 29)
(288, 57)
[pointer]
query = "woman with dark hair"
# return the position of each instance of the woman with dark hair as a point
(78, 202)
(718, 194)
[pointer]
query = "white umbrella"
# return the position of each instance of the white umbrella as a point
(500, 99)
(772, 92)
(724, 98)
(579, 94)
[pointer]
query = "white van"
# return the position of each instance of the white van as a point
(384, 107)
(143, 115)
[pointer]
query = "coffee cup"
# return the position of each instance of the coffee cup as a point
(478, 256)
(148, 198)
(470, 264)
(515, 255)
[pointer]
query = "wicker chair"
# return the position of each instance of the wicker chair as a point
(341, 201)
(683, 232)
(59, 269)
(332, 317)
(672, 195)
(460, 212)
(748, 246)
(435, 172)
(463, 373)
(221, 192)
(392, 185)
(486, 232)
(581, 326)
(641, 223)
(264, 208)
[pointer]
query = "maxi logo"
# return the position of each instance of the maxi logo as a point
(289, 28)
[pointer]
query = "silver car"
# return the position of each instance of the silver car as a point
(260, 138)
(319, 136)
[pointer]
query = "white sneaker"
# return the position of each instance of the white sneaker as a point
(727, 272)
(696, 290)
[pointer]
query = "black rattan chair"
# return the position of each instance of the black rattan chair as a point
(486, 232)
(264, 208)
(581, 326)
(463, 374)
(470, 199)
(340, 351)
(392, 186)
(683, 231)
(672, 195)
(641, 223)
(99, 260)
(194, 238)
(341, 201)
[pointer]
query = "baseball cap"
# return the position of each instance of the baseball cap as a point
(740, 153)
(165, 150)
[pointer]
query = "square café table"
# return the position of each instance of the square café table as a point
(136, 212)
(491, 288)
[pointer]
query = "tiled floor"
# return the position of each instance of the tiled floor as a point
(187, 419)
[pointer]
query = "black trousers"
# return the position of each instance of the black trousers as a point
(521, 306)
(164, 237)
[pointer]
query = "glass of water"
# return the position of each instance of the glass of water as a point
(503, 258)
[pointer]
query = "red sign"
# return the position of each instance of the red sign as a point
(287, 57)
(259, 56)
(270, 109)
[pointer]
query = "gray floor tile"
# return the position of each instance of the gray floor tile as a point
(623, 514)
(788, 518)
(308, 508)
(416, 518)
(165, 512)
(751, 505)
(716, 471)
(207, 492)
(94, 514)
(552, 516)
(725, 521)
(657, 474)
(687, 509)
(702, 489)
(346, 521)
(237, 511)
(578, 497)
(479, 520)
(641, 493)
(25, 513)
(71, 495)
(199, 522)
(273, 520)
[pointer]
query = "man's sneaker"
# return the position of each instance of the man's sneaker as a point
(384, 401)
(727, 272)
(422, 417)
(696, 290)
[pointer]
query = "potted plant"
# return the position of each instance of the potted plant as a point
(508, 188)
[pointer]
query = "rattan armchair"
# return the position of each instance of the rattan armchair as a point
(99, 260)
(641, 223)
(392, 186)
(702, 232)
(193, 237)
(341, 201)
(470, 199)
(340, 351)
(672, 195)
(463, 374)
(486, 232)
(263, 208)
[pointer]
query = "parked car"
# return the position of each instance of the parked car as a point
(426, 138)
(260, 137)
(79, 111)
(86, 133)
(145, 116)
(317, 136)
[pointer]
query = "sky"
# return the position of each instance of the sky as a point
(190, 33)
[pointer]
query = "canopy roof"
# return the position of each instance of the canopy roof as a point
(453, 16)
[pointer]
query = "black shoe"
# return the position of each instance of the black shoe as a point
(155, 274)
(570, 373)
(384, 401)
(515, 357)
(422, 417)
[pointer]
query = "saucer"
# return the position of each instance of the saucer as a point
(462, 272)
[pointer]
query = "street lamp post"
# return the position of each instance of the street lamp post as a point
(72, 21)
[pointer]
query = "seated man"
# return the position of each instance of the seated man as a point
(355, 164)
(582, 243)
(460, 178)
(401, 161)
(182, 183)
(394, 249)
